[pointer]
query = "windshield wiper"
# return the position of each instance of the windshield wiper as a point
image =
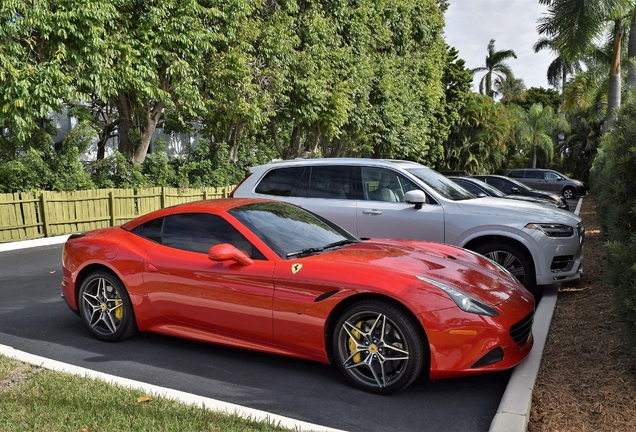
(313, 250)
(339, 243)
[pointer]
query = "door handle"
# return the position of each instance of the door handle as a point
(151, 268)
(372, 212)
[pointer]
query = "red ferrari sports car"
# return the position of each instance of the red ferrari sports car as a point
(272, 277)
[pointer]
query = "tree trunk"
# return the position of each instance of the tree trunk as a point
(125, 123)
(534, 154)
(153, 114)
(294, 143)
(614, 92)
(631, 53)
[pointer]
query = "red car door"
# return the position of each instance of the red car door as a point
(221, 296)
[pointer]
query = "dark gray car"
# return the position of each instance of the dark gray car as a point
(549, 180)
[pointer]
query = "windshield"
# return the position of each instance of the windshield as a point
(289, 230)
(440, 184)
(493, 191)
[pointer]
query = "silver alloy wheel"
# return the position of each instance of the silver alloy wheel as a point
(102, 306)
(568, 193)
(510, 262)
(377, 348)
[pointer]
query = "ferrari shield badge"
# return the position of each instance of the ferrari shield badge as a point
(296, 268)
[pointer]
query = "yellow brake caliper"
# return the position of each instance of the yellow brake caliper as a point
(119, 312)
(352, 344)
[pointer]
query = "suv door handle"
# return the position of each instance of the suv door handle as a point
(372, 212)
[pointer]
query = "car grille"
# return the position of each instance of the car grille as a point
(521, 331)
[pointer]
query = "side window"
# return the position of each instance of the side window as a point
(198, 232)
(470, 187)
(534, 174)
(497, 183)
(516, 174)
(335, 182)
(151, 230)
(549, 175)
(280, 182)
(385, 185)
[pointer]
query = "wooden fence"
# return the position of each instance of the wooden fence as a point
(33, 215)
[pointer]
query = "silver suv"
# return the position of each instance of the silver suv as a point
(549, 180)
(399, 199)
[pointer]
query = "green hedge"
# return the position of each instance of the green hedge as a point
(613, 182)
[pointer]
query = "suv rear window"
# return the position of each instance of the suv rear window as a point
(280, 182)
(516, 174)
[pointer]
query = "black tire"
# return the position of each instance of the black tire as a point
(378, 347)
(105, 307)
(512, 259)
(569, 193)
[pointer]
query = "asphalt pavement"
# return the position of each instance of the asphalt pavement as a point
(36, 326)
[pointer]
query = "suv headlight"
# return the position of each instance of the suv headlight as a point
(462, 300)
(552, 230)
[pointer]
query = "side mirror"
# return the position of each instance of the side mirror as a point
(227, 252)
(514, 190)
(481, 195)
(416, 197)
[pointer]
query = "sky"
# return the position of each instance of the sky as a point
(471, 24)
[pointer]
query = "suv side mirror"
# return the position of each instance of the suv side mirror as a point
(416, 197)
(514, 190)
(227, 252)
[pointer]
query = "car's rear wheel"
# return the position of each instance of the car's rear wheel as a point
(105, 307)
(378, 347)
(512, 259)
(569, 193)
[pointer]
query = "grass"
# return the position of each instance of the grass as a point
(37, 399)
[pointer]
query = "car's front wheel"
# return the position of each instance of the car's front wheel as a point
(378, 347)
(105, 307)
(569, 193)
(512, 259)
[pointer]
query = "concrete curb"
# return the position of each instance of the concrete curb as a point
(187, 398)
(513, 413)
(46, 241)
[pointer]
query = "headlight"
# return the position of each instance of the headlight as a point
(463, 301)
(552, 230)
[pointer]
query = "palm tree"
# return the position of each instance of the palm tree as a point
(494, 66)
(560, 68)
(536, 129)
(511, 90)
(573, 25)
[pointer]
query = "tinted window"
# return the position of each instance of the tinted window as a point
(469, 186)
(150, 230)
(281, 181)
(287, 229)
(337, 182)
(534, 174)
(516, 174)
(198, 232)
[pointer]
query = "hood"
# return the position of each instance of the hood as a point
(458, 268)
(522, 211)
(532, 199)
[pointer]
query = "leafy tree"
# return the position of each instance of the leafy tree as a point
(560, 68)
(539, 95)
(494, 66)
(46, 46)
(482, 140)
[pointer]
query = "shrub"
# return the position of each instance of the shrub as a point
(613, 184)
